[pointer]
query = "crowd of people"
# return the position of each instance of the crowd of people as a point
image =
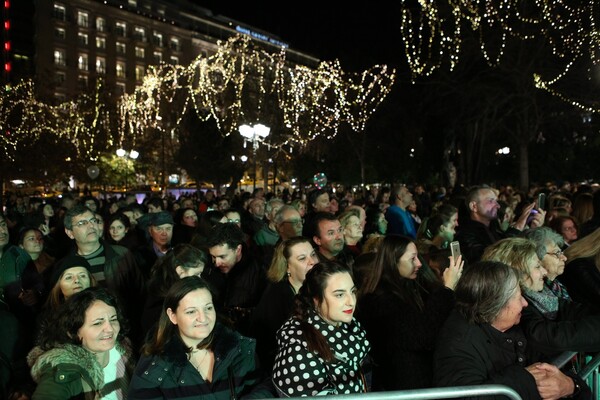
(259, 295)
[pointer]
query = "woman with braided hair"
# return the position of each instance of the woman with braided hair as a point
(322, 346)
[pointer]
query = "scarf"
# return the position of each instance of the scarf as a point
(545, 302)
(557, 288)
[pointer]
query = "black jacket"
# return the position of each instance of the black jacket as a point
(582, 279)
(575, 328)
(474, 237)
(403, 337)
(473, 354)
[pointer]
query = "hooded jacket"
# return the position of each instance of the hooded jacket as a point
(69, 371)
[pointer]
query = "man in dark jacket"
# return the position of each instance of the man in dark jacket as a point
(481, 229)
(236, 278)
(113, 266)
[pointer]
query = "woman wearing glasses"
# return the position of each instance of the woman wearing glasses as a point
(552, 325)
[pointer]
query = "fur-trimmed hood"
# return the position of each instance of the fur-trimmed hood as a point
(72, 358)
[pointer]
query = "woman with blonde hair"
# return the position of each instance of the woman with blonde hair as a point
(551, 324)
(352, 230)
(293, 258)
(582, 272)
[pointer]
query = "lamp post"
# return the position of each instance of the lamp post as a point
(255, 134)
(126, 155)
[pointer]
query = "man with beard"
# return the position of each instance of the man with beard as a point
(482, 229)
(236, 277)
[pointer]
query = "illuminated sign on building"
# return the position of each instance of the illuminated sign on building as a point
(261, 36)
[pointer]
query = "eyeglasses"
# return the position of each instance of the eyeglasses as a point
(293, 222)
(233, 221)
(556, 254)
(85, 222)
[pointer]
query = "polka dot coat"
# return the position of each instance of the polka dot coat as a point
(300, 372)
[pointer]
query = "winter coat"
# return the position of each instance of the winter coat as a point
(72, 372)
(403, 336)
(299, 371)
(478, 354)
(171, 376)
(575, 328)
(474, 237)
(582, 279)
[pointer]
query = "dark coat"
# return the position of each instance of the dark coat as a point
(171, 376)
(472, 354)
(403, 337)
(274, 308)
(582, 279)
(237, 292)
(474, 237)
(575, 328)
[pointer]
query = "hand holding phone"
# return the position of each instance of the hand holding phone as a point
(541, 201)
(455, 250)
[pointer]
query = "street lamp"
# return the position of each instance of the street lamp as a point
(255, 134)
(126, 155)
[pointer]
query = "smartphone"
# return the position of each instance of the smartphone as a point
(541, 201)
(455, 249)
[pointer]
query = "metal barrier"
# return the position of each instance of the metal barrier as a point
(435, 393)
(590, 372)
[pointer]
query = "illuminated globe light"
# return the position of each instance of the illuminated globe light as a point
(320, 180)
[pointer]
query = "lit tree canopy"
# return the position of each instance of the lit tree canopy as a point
(434, 32)
(241, 83)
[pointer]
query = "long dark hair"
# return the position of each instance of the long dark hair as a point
(63, 325)
(385, 270)
(164, 274)
(166, 329)
(309, 299)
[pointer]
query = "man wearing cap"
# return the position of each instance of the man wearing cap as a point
(160, 232)
(113, 266)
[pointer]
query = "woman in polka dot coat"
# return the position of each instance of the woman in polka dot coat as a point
(322, 347)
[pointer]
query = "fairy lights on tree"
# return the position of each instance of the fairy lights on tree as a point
(242, 83)
(434, 33)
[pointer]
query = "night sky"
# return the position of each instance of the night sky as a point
(358, 37)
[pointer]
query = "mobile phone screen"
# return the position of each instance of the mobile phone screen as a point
(455, 249)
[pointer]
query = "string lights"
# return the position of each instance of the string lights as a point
(241, 83)
(433, 34)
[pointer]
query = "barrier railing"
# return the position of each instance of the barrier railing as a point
(434, 393)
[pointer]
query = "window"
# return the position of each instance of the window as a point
(139, 72)
(100, 43)
(174, 60)
(82, 81)
(60, 33)
(139, 34)
(139, 52)
(82, 39)
(158, 39)
(83, 19)
(82, 62)
(60, 58)
(174, 44)
(100, 24)
(120, 69)
(60, 12)
(100, 65)
(120, 88)
(121, 48)
(121, 29)
(60, 78)
(157, 57)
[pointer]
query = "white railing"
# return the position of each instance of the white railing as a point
(434, 393)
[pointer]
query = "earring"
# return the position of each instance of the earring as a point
(288, 274)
